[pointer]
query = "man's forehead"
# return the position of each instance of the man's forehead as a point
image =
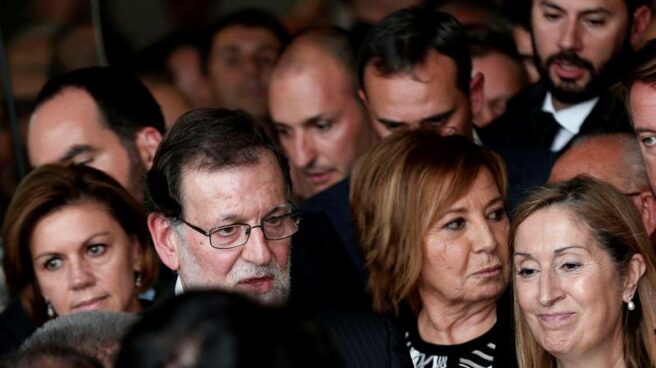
(71, 116)
(235, 36)
(436, 69)
(578, 6)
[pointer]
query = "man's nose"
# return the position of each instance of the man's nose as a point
(304, 151)
(570, 35)
(256, 250)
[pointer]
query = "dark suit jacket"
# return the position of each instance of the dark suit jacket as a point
(15, 327)
(522, 125)
(334, 203)
(367, 340)
(322, 276)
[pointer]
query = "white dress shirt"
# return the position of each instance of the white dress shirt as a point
(570, 119)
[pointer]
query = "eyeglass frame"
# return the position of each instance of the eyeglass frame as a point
(208, 233)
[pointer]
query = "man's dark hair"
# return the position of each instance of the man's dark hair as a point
(207, 139)
(124, 103)
(403, 39)
(223, 330)
(484, 40)
(248, 17)
(641, 70)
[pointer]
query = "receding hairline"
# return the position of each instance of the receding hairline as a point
(205, 165)
(100, 115)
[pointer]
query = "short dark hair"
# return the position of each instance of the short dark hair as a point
(219, 329)
(208, 138)
(124, 103)
(403, 39)
(483, 40)
(247, 17)
(641, 70)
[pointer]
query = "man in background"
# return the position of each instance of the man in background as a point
(321, 123)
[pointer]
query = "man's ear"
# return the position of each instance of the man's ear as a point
(647, 207)
(363, 97)
(476, 96)
(147, 140)
(633, 274)
(641, 18)
(165, 239)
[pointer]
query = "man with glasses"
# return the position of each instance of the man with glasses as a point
(218, 201)
(615, 159)
(219, 214)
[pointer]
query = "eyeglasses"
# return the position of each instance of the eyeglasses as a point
(280, 224)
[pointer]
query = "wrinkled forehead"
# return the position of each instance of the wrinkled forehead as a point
(259, 179)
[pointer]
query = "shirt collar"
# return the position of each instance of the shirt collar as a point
(570, 118)
(476, 137)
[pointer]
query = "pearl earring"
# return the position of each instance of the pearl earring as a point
(630, 305)
(50, 310)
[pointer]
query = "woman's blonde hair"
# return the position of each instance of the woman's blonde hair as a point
(617, 226)
(398, 190)
(52, 187)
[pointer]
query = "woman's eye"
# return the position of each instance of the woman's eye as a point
(526, 272)
(570, 266)
(52, 263)
(498, 214)
(456, 224)
(96, 249)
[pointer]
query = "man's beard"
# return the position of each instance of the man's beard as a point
(600, 79)
(195, 277)
(281, 280)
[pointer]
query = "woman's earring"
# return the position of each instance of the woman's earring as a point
(138, 281)
(630, 305)
(50, 310)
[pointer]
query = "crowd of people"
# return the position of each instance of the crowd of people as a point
(445, 186)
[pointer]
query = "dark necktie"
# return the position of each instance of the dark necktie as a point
(547, 128)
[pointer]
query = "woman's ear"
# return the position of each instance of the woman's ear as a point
(634, 272)
(136, 254)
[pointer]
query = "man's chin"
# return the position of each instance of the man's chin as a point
(572, 92)
(271, 297)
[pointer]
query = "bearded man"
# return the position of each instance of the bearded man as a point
(581, 47)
